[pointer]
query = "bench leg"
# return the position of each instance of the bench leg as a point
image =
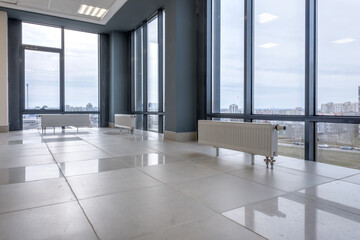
(252, 159)
(217, 151)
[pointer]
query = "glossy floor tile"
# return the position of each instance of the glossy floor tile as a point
(13, 162)
(225, 192)
(29, 173)
(61, 221)
(339, 194)
(283, 179)
(93, 185)
(353, 179)
(78, 156)
(136, 213)
(15, 197)
(213, 228)
(179, 172)
(93, 166)
(297, 218)
(321, 169)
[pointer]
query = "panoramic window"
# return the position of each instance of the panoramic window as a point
(42, 80)
(279, 57)
(153, 66)
(338, 62)
(49, 87)
(138, 68)
(81, 71)
(148, 74)
(228, 56)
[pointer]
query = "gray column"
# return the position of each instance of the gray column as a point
(119, 97)
(180, 70)
(4, 116)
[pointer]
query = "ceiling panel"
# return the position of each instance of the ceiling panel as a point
(65, 6)
(102, 4)
(35, 4)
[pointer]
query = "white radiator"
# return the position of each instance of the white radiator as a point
(64, 120)
(253, 138)
(126, 121)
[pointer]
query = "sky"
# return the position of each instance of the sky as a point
(279, 52)
(42, 69)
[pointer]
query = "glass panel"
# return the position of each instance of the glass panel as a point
(228, 56)
(39, 35)
(81, 71)
(42, 80)
(338, 58)
(228, 119)
(338, 144)
(291, 141)
(279, 57)
(31, 121)
(153, 123)
(94, 120)
(139, 122)
(153, 66)
(138, 68)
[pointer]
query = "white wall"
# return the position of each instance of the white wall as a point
(3, 72)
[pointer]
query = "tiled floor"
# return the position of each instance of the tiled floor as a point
(100, 184)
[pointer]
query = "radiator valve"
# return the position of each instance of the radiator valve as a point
(279, 127)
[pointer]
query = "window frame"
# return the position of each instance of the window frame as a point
(145, 113)
(310, 118)
(61, 51)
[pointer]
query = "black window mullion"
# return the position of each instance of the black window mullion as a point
(133, 90)
(248, 60)
(209, 58)
(161, 69)
(145, 77)
(216, 55)
(310, 80)
(62, 72)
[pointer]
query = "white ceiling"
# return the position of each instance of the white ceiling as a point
(66, 8)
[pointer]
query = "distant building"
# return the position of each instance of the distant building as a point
(339, 108)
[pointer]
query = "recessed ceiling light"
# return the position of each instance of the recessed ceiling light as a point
(268, 45)
(266, 17)
(344, 40)
(92, 11)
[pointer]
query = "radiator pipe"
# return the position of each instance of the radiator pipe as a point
(279, 127)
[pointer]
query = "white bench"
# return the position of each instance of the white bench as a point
(126, 121)
(63, 120)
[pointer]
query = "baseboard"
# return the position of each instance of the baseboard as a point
(180, 137)
(4, 128)
(111, 125)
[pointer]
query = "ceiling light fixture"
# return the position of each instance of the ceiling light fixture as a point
(92, 11)
(266, 17)
(344, 40)
(268, 45)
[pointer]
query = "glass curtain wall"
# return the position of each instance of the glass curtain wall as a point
(293, 63)
(148, 74)
(59, 76)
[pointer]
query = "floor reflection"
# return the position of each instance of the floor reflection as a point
(29, 173)
(294, 217)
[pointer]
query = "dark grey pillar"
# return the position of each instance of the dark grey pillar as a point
(180, 70)
(119, 97)
(104, 80)
(14, 63)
